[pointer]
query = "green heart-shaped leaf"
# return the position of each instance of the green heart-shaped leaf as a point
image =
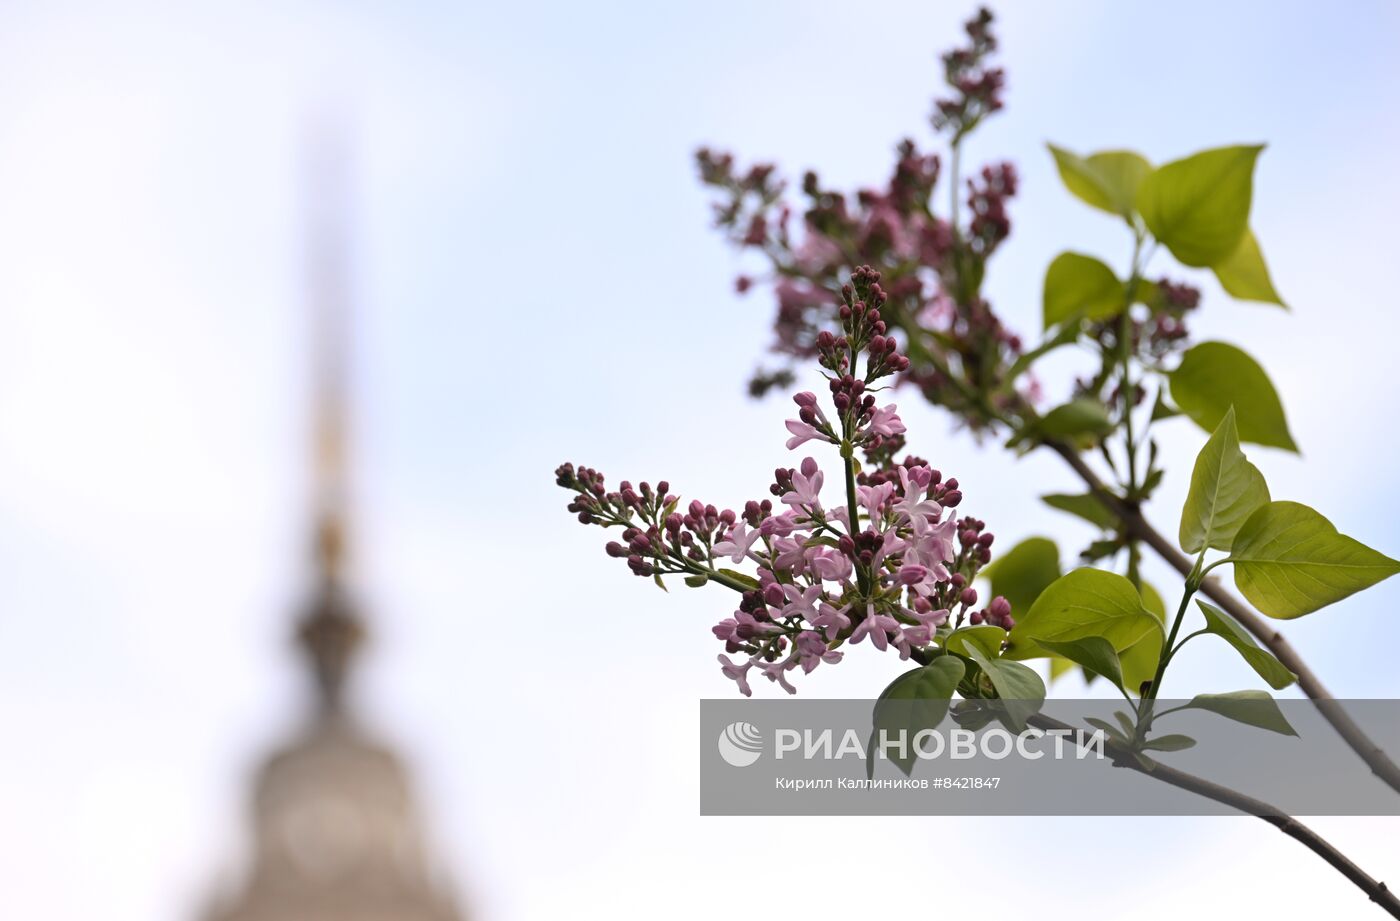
(1085, 602)
(1213, 377)
(1198, 207)
(1290, 561)
(1079, 285)
(915, 701)
(1108, 180)
(1020, 689)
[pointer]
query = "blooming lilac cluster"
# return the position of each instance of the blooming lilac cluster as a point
(886, 563)
(931, 265)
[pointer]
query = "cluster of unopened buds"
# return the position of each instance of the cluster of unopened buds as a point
(977, 86)
(964, 351)
(887, 562)
(1155, 332)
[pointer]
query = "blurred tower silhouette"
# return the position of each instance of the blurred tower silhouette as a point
(335, 833)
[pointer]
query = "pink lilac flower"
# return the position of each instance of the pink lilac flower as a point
(774, 671)
(885, 421)
(933, 548)
(874, 499)
(801, 602)
(830, 564)
(801, 434)
(806, 486)
(811, 650)
(736, 545)
(908, 639)
(927, 616)
(727, 630)
(779, 525)
(737, 674)
(915, 483)
(832, 620)
(877, 626)
(890, 544)
(789, 554)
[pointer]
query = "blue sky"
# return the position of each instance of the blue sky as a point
(524, 200)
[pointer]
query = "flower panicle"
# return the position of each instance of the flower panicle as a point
(892, 564)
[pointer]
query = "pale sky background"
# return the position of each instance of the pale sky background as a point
(526, 202)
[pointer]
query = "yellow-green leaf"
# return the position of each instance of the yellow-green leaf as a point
(1245, 276)
(1225, 490)
(1214, 376)
(1198, 207)
(1107, 180)
(1094, 653)
(1259, 658)
(1290, 561)
(1084, 506)
(984, 636)
(1254, 708)
(1085, 602)
(1079, 285)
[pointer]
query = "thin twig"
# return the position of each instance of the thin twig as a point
(1375, 890)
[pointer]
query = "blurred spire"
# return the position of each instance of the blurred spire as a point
(330, 630)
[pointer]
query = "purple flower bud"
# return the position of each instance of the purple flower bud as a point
(1000, 608)
(912, 574)
(968, 596)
